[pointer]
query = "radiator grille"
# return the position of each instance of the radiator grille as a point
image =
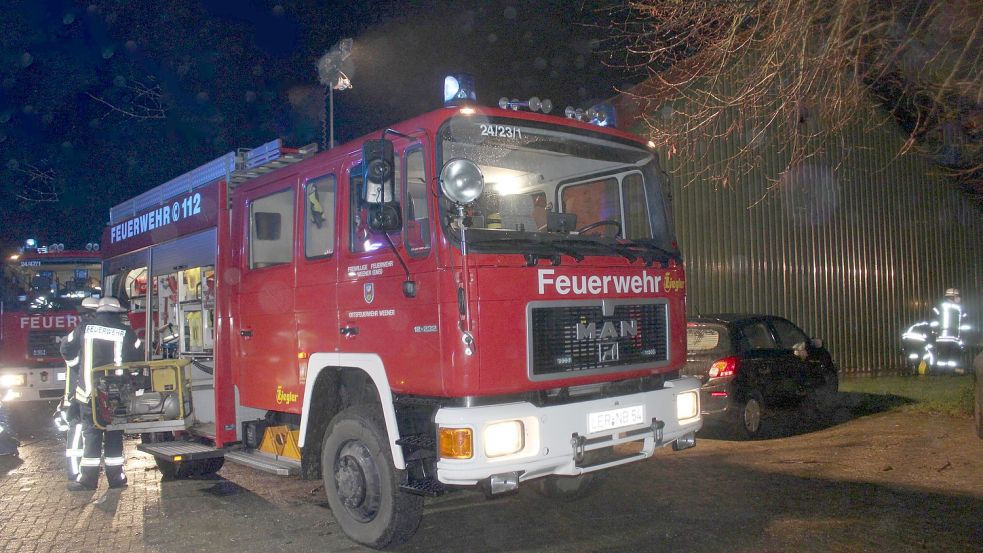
(43, 343)
(637, 335)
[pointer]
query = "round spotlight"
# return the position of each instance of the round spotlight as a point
(461, 181)
(546, 105)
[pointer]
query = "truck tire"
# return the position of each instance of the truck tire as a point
(170, 470)
(567, 488)
(189, 469)
(361, 483)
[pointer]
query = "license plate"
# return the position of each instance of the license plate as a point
(615, 418)
(61, 377)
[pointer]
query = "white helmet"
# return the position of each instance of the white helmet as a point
(951, 292)
(110, 305)
(90, 304)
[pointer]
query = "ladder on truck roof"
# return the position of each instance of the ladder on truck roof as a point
(236, 167)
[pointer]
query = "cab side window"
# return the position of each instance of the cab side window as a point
(416, 209)
(271, 224)
(319, 217)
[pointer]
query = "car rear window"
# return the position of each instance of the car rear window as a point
(701, 338)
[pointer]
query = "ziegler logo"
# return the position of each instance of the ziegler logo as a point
(284, 397)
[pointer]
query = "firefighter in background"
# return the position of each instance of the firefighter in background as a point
(102, 340)
(949, 348)
(67, 418)
(939, 344)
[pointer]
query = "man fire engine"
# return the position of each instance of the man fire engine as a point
(43, 287)
(486, 297)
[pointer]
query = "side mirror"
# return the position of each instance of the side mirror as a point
(378, 192)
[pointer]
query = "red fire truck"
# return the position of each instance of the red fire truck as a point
(43, 287)
(476, 297)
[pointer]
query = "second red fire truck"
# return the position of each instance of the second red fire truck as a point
(476, 297)
(43, 287)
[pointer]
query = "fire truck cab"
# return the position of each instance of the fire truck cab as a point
(473, 297)
(43, 288)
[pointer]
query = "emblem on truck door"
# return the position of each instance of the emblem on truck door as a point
(368, 292)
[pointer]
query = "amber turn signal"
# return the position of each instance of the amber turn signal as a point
(456, 443)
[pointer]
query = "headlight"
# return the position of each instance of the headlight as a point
(12, 380)
(504, 438)
(461, 181)
(687, 405)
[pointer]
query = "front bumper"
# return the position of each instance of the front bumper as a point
(557, 441)
(40, 384)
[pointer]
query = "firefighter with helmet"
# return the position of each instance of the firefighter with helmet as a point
(102, 340)
(947, 328)
(67, 418)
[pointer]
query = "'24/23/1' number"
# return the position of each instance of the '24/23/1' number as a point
(503, 131)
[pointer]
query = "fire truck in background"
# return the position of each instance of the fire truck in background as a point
(42, 289)
(476, 297)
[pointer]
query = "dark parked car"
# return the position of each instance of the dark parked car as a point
(750, 364)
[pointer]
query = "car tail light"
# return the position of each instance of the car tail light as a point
(724, 367)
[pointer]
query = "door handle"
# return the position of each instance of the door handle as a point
(349, 330)
(247, 333)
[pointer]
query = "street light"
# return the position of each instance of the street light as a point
(331, 75)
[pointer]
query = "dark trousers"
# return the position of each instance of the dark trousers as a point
(98, 444)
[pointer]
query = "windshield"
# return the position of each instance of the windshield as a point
(548, 185)
(50, 284)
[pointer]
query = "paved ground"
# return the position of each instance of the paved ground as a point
(886, 482)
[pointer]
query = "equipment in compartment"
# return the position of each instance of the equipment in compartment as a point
(143, 396)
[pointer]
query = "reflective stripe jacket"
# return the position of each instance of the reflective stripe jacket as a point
(99, 341)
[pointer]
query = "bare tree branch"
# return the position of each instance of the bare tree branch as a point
(140, 102)
(40, 186)
(794, 74)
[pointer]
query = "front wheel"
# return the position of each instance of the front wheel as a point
(361, 482)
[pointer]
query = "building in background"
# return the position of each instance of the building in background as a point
(855, 245)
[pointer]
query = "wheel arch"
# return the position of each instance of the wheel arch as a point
(331, 378)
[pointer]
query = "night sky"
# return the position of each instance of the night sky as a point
(102, 100)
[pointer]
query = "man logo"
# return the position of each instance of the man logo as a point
(368, 292)
(607, 352)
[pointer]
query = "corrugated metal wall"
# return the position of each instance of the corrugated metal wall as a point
(854, 246)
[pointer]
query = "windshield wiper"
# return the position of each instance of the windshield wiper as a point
(619, 249)
(531, 258)
(647, 244)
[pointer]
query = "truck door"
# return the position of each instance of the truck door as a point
(374, 314)
(317, 267)
(264, 331)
